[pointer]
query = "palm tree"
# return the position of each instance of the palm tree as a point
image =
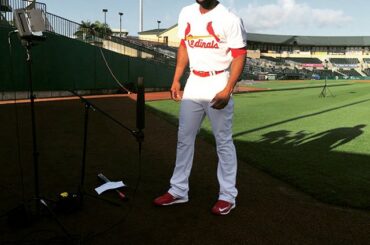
(102, 29)
(87, 30)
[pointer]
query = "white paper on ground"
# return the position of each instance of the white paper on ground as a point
(109, 186)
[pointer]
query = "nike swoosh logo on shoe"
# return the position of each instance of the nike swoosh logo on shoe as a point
(226, 210)
(223, 209)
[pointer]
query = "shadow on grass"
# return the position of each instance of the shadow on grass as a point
(308, 162)
(298, 88)
(299, 117)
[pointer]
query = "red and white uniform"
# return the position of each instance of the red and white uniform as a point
(211, 40)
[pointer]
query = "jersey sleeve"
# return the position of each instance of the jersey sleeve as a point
(236, 34)
(181, 23)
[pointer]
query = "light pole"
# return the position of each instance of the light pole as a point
(141, 14)
(120, 24)
(105, 21)
(159, 22)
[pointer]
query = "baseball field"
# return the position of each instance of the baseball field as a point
(313, 137)
(288, 140)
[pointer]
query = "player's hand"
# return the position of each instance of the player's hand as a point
(220, 100)
(175, 91)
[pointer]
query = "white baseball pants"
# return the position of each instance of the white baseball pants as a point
(195, 105)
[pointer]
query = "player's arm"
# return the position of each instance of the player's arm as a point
(181, 64)
(236, 68)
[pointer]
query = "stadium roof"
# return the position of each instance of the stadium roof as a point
(309, 40)
(156, 31)
(152, 32)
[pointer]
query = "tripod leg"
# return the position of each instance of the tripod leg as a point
(43, 202)
(323, 92)
(83, 165)
(81, 189)
(324, 89)
(331, 93)
(33, 125)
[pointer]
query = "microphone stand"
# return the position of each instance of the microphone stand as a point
(139, 135)
(325, 88)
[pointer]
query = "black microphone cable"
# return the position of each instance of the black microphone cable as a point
(140, 124)
(111, 72)
(139, 137)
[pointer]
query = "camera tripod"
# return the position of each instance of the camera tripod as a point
(21, 215)
(325, 90)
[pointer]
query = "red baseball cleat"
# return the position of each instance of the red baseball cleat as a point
(222, 207)
(167, 199)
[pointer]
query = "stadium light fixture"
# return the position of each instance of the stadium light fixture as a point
(159, 22)
(120, 24)
(105, 20)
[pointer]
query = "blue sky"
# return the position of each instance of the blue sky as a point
(285, 17)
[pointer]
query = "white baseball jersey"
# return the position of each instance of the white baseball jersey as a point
(210, 36)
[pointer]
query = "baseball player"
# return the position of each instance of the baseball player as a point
(213, 44)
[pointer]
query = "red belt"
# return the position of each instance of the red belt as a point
(207, 73)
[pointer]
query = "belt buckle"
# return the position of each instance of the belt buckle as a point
(206, 73)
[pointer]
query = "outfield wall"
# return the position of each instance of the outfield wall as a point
(62, 63)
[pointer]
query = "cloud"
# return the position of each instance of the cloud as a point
(330, 18)
(289, 13)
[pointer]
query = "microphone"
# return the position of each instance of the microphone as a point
(140, 112)
(140, 105)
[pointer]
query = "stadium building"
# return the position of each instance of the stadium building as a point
(293, 57)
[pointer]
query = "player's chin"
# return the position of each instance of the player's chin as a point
(218, 107)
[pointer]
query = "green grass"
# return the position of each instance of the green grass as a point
(320, 145)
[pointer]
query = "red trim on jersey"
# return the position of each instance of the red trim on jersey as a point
(182, 43)
(187, 30)
(235, 52)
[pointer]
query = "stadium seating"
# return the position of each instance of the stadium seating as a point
(305, 60)
(350, 73)
(366, 71)
(277, 61)
(344, 61)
